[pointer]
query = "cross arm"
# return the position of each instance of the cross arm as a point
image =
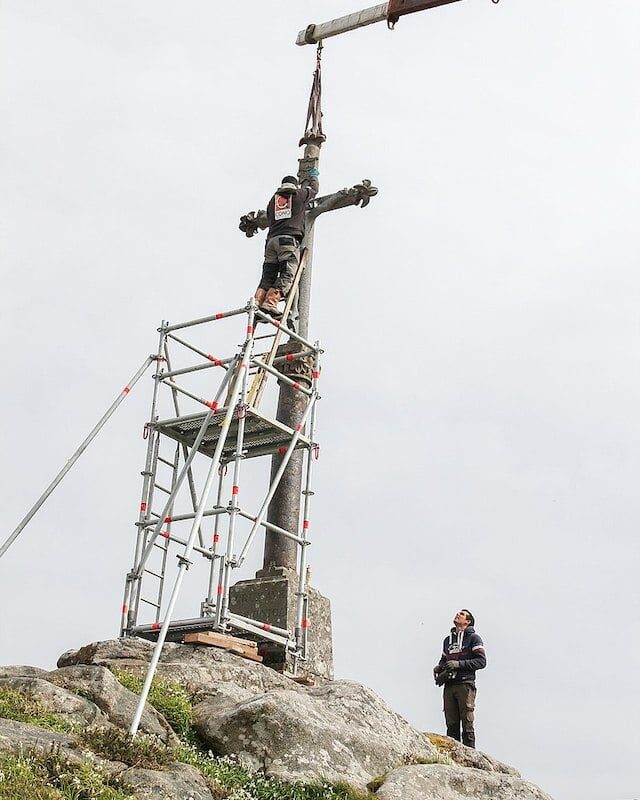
(252, 222)
(358, 195)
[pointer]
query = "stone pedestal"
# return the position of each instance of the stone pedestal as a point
(271, 598)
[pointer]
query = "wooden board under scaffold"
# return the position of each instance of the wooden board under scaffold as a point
(240, 647)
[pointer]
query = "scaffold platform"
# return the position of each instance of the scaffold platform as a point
(262, 435)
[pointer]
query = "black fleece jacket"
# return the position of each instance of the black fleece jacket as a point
(286, 212)
(467, 648)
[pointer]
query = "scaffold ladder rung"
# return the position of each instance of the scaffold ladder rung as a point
(162, 488)
(149, 602)
(164, 461)
(155, 574)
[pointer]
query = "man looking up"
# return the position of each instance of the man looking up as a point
(286, 218)
(462, 654)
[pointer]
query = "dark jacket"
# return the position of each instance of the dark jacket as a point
(286, 212)
(467, 648)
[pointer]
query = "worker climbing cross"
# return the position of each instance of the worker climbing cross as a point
(284, 510)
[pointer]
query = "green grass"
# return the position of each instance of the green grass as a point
(228, 779)
(49, 776)
(116, 744)
(172, 700)
(25, 707)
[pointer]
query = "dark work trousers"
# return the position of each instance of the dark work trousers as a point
(459, 707)
(281, 259)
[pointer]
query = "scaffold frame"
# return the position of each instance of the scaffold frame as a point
(228, 429)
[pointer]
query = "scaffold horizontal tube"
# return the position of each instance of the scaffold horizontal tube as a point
(281, 377)
(202, 320)
(271, 527)
(264, 625)
(196, 368)
(286, 331)
(274, 637)
(212, 512)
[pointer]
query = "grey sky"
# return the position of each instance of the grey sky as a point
(479, 421)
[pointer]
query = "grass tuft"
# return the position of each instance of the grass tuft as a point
(229, 780)
(116, 744)
(26, 707)
(49, 776)
(172, 700)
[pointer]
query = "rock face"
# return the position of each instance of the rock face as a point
(178, 783)
(340, 731)
(438, 782)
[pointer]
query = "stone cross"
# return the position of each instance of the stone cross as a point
(284, 509)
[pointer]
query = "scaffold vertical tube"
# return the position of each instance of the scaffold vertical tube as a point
(213, 584)
(306, 519)
(237, 462)
(128, 617)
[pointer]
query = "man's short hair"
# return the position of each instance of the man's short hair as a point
(470, 616)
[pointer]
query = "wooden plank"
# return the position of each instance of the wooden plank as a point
(240, 651)
(219, 640)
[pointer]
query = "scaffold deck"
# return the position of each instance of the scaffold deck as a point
(262, 435)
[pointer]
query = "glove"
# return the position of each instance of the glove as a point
(451, 665)
(437, 670)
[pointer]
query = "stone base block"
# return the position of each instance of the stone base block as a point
(271, 598)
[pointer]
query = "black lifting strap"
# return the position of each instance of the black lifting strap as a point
(313, 125)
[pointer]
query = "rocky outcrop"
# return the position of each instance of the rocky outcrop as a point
(66, 705)
(340, 731)
(468, 757)
(109, 695)
(180, 782)
(438, 782)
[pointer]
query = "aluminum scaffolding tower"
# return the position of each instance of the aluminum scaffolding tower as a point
(226, 430)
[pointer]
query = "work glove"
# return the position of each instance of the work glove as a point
(451, 665)
(437, 670)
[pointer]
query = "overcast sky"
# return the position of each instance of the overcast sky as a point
(479, 421)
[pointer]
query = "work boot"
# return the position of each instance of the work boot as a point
(259, 298)
(270, 303)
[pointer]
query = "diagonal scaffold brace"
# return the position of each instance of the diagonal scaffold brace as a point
(92, 435)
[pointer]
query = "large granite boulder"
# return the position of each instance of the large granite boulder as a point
(203, 670)
(66, 705)
(439, 782)
(108, 694)
(468, 756)
(339, 732)
(179, 782)
(17, 737)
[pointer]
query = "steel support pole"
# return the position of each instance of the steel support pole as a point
(92, 435)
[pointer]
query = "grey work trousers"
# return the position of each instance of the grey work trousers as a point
(281, 259)
(459, 708)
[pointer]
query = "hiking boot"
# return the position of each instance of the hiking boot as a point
(270, 304)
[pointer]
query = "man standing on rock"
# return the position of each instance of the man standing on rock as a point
(462, 654)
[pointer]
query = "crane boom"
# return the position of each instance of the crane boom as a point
(390, 11)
